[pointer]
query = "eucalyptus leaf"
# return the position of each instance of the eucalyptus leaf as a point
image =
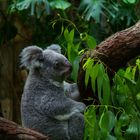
(100, 82)
(92, 9)
(92, 129)
(93, 74)
(88, 71)
(107, 121)
(69, 46)
(66, 34)
(110, 137)
(133, 131)
(32, 7)
(23, 4)
(124, 119)
(60, 4)
(106, 90)
(118, 131)
(129, 1)
(138, 63)
(91, 42)
(75, 68)
(71, 35)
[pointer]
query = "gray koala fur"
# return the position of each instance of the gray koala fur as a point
(44, 104)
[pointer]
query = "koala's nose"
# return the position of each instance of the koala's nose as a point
(68, 64)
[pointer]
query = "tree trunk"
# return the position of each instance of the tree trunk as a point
(14, 35)
(114, 52)
(12, 131)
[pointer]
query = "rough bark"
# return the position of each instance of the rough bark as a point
(12, 131)
(114, 52)
(14, 35)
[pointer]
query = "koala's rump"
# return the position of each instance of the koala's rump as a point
(56, 130)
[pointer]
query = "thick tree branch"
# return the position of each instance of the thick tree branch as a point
(114, 52)
(11, 131)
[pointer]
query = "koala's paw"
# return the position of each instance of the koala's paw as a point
(80, 107)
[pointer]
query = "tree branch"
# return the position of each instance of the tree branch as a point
(114, 52)
(11, 131)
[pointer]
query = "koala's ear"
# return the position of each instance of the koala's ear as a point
(55, 47)
(31, 56)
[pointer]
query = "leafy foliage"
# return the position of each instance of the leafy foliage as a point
(73, 49)
(117, 117)
(92, 9)
(77, 26)
(40, 6)
(99, 80)
(129, 1)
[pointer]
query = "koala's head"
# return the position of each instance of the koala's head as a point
(49, 63)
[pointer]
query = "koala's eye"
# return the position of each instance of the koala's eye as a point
(57, 64)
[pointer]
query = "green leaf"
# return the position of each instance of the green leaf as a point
(138, 96)
(92, 9)
(75, 65)
(71, 35)
(110, 137)
(133, 131)
(133, 72)
(100, 82)
(91, 127)
(129, 1)
(88, 62)
(23, 4)
(106, 90)
(124, 119)
(32, 7)
(128, 73)
(107, 121)
(93, 74)
(66, 35)
(138, 63)
(69, 46)
(90, 115)
(74, 52)
(62, 29)
(91, 42)
(118, 131)
(33, 4)
(88, 70)
(60, 4)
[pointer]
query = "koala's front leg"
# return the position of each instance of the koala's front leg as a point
(76, 107)
(61, 109)
(79, 106)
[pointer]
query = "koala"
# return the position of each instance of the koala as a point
(44, 105)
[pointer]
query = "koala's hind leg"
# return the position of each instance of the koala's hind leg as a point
(76, 127)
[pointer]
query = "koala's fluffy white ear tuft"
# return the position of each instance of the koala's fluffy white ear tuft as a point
(55, 47)
(30, 56)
